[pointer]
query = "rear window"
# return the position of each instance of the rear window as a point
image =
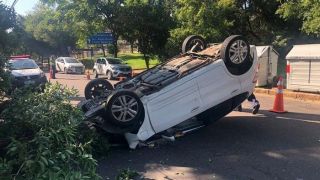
(22, 64)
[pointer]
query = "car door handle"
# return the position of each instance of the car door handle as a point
(195, 109)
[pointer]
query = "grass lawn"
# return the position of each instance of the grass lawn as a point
(135, 60)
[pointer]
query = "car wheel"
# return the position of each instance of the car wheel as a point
(96, 88)
(109, 75)
(193, 43)
(125, 109)
(95, 74)
(235, 51)
(65, 71)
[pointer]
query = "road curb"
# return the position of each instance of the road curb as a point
(290, 94)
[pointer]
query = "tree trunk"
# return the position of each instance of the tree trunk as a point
(115, 44)
(131, 46)
(104, 52)
(146, 59)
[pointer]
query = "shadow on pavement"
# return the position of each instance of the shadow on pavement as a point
(236, 147)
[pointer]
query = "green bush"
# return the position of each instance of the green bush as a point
(4, 79)
(88, 63)
(112, 49)
(47, 140)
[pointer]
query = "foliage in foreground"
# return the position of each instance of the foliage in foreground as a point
(127, 174)
(46, 141)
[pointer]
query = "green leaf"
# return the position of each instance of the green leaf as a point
(44, 160)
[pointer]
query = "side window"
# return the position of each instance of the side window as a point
(103, 61)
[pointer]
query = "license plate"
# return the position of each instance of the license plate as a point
(29, 82)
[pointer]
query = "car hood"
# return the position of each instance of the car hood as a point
(26, 72)
(120, 65)
(74, 64)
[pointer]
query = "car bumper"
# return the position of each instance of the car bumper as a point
(117, 74)
(19, 83)
(76, 70)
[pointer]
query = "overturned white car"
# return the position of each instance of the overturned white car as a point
(204, 82)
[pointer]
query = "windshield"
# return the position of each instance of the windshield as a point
(22, 64)
(115, 61)
(71, 60)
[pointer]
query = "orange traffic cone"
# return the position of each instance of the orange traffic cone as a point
(88, 75)
(278, 106)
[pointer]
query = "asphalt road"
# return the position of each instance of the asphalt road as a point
(239, 146)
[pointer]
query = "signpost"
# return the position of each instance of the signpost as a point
(101, 38)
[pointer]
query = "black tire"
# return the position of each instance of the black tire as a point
(118, 107)
(95, 74)
(235, 52)
(65, 71)
(109, 75)
(96, 87)
(191, 41)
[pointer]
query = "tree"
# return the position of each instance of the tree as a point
(7, 24)
(305, 12)
(110, 12)
(45, 25)
(150, 22)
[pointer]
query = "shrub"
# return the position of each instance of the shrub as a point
(111, 49)
(4, 79)
(88, 63)
(46, 141)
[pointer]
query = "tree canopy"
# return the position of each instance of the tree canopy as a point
(159, 26)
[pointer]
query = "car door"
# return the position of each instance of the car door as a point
(99, 66)
(173, 104)
(216, 84)
(59, 64)
(104, 65)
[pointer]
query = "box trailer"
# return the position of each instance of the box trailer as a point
(268, 64)
(303, 68)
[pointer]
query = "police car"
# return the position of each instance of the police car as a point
(25, 72)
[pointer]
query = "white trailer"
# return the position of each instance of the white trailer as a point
(268, 64)
(303, 68)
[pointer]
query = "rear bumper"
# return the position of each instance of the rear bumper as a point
(76, 70)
